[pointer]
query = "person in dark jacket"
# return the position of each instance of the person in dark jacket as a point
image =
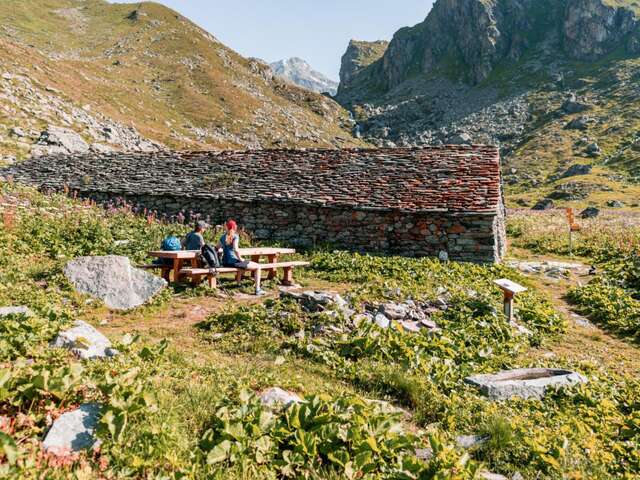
(195, 239)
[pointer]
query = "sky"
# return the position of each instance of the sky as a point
(316, 30)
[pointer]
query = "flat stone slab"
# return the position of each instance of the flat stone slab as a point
(21, 310)
(277, 396)
(113, 280)
(524, 382)
(84, 341)
(73, 431)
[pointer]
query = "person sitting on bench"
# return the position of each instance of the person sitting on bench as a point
(230, 245)
(195, 239)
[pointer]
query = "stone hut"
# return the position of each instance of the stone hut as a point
(413, 202)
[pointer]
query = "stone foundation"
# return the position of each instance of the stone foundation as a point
(470, 238)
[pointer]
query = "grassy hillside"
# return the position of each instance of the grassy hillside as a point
(145, 66)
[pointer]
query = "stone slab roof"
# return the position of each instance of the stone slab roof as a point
(455, 179)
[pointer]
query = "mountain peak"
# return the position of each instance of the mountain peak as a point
(298, 71)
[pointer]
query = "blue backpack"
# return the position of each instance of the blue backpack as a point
(171, 244)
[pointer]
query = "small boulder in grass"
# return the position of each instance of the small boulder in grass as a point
(21, 310)
(85, 341)
(276, 396)
(73, 431)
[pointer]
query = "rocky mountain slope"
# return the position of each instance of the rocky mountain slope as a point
(85, 74)
(553, 82)
(297, 71)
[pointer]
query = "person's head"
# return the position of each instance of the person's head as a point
(231, 226)
(201, 226)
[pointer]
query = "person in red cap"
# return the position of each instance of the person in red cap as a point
(230, 245)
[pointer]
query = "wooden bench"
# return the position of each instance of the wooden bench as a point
(199, 274)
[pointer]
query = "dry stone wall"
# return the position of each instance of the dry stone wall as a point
(472, 238)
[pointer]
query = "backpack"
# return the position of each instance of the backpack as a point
(171, 244)
(211, 257)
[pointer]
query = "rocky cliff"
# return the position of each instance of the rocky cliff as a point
(550, 81)
(299, 72)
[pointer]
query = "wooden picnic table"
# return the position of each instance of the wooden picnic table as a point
(180, 257)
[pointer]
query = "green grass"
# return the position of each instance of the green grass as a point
(184, 408)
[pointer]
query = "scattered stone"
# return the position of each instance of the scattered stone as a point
(394, 311)
(460, 139)
(521, 329)
(21, 310)
(615, 204)
(84, 341)
(577, 169)
(549, 268)
(411, 327)
(544, 204)
(17, 132)
(572, 105)
(492, 476)
(113, 280)
(382, 321)
(593, 150)
(580, 123)
(425, 454)
(590, 212)
(443, 256)
(277, 396)
(73, 431)
(524, 383)
(471, 441)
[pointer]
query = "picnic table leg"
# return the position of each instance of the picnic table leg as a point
(213, 283)
(177, 265)
(166, 274)
(239, 274)
(287, 276)
(273, 271)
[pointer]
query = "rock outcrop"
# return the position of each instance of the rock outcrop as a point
(357, 58)
(113, 280)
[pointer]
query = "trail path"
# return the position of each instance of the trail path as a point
(583, 340)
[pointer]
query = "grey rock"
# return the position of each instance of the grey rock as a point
(593, 149)
(571, 106)
(544, 204)
(73, 431)
(460, 139)
(492, 476)
(277, 396)
(394, 311)
(84, 341)
(615, 204)
(113, 280)
(580, 123)
(382, 321)
(590, 212)
(471, 441)
(17, 132)
(524, 383)
(60, 140)
(411, 327)
(577, 169)
(21, 310)
(425, 454)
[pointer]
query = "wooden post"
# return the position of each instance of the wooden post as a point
(510, 289)
(213, 282)
(258, 278)
(177, 265)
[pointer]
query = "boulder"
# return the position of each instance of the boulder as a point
(59, 140)
(113, 280)
(580, 123)
(277, 396)
(73, 431)
(590, 212)
(577, 169)
(544, 204)
(460, 139)
(593, 150)
(615, 204)
(21, 310)
(84, 341)
(524, 383)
